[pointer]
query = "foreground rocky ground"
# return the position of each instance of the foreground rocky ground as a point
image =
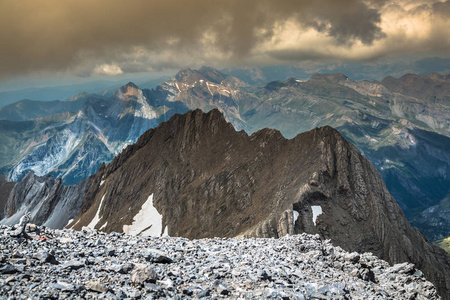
(66, 264)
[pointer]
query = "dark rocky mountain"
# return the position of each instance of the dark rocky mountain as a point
(400, 125)
(406, 138)
(202, 179)
(196, 176)
(5, 190)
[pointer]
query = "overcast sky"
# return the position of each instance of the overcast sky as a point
(114, 37)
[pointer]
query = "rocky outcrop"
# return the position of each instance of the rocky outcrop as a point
(196, 177)
(49, 201)
(89, 265)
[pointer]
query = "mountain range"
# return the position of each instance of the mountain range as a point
(401, 125)
(195, 176)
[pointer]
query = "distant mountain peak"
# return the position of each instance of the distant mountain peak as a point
(129, 89)
(189, 76)
(184, 75)
(129, 86)
(332, 77)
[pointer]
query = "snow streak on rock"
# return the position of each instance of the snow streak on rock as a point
(97, 215)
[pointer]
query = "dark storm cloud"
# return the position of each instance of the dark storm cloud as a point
(55, 35)
(442, 8)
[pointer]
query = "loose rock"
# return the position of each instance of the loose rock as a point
(293, 267)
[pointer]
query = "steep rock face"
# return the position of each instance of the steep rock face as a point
(404, 136)
(201, 178)
(50, 202)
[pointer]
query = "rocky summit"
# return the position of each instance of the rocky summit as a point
(87, 264)
(195, 176)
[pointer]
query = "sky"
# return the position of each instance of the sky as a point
(52, 40)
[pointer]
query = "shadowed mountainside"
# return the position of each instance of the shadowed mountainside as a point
(205, 179)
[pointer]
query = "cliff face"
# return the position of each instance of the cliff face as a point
(196, 177)
(49, 202)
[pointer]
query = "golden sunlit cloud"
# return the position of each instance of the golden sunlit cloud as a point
(85, 37)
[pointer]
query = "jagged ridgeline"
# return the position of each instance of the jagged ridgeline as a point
(196, 176)
(400, 125)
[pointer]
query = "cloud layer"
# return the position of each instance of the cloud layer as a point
(112, 36)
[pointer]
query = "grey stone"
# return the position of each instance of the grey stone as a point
(157, 256)
(122, 268)
(64, 286)
(204, 293)
(135, 294)
(96, 286)
(221, 288)
(45, 257)
(8, 269)
(211, 268)
(166, 284)
(110, 252)
(151, 287)
(353, 257)
(143, 274)
(72, 264)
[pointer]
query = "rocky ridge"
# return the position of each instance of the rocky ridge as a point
(400, 125)
(198, 177)
(195, 176)
(90, 264)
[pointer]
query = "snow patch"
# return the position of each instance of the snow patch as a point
(70, 221)
(147, 222)
(74, 224)
(97, 215)
(101, 182)
(296, 215)
(317, 211)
